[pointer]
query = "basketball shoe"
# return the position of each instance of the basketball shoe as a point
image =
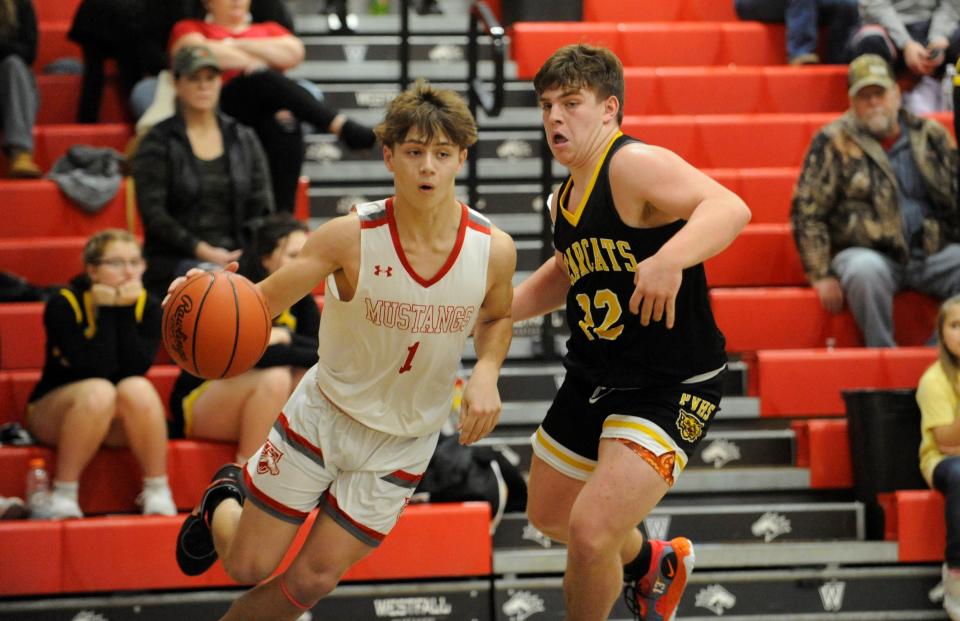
(195, 549)
(656, 595)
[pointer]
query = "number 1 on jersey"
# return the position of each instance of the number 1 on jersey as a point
(411, 352)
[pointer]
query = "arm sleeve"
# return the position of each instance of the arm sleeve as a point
(816, 194)
(934, 399)
(882, 12)
(944, 20)
(151, 173)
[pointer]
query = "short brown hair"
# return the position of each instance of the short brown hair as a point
(431, 110)
(583, 66)
(97, 243)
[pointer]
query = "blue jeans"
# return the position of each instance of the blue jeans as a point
(946, 479)
(803, 19)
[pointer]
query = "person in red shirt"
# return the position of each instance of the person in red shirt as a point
(254, 57)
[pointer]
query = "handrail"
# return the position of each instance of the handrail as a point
(479, 11)
(477, 96)
(404, 44)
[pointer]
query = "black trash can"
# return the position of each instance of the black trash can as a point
(884, 431)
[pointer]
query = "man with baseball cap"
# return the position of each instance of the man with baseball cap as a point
(192, 58)
(874, 209)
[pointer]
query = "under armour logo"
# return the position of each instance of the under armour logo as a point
(388, 270)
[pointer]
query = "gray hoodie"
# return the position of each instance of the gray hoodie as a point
(894, 15)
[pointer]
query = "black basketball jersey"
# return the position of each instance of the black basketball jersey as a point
(607, 343)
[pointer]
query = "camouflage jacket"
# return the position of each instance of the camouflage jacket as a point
(847, 193)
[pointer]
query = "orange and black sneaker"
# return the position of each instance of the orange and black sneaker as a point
(656, 595)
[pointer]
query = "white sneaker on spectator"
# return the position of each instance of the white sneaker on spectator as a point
(951, 592)
(157, 501)
(54, 507)
(925, 97)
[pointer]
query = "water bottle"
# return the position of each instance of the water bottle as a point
(38, 487)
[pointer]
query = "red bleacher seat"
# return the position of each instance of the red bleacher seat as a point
(752, 43)
(533, 42)
(655, 44)
(734, 90)
(21, 335)
(135, 553)
(823, 447)
(52, 141)
(915, 519)
(52, 43)
(767, 191)
(716, 141)
(42, 260)
(60, 96)
(55, 10)
(39, 209)
(808, 382)
(19, 384)
(761, 255)
(756, 318)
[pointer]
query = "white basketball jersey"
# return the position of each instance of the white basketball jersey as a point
(389, 357)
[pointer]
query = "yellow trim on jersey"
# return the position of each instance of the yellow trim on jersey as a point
(653, 434)
(187, 405)
(91, 330)
(74, 304)
(574, 218)
(286, 320)
(565, 457)
(141, 303)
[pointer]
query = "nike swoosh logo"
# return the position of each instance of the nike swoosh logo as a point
(599, 393)
(671, 570)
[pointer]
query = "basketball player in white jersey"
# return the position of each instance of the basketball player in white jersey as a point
(407, 279)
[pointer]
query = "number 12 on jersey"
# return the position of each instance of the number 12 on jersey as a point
(602, 299)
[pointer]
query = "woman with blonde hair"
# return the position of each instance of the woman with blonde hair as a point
(103, 332)
(938, 395)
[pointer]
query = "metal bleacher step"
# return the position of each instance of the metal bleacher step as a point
(723, 555)
(514, 207)
(327, 162)
(846, 594)
(733, 449)
(466, 600)
(367, 101)
(743, 522)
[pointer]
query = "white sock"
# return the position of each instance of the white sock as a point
(156, 483)
(66, 489)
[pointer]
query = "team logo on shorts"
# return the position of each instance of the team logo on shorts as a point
(270, 457)
(689, 425)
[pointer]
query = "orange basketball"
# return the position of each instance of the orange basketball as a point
(216, 325)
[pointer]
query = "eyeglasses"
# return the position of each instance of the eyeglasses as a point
(118, 264)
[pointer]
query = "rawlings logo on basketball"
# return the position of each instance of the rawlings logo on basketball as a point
(177, 336)
(270, 456)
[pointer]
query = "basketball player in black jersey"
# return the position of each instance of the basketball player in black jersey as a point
(633, 224)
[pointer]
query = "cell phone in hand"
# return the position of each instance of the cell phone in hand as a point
(935, 54)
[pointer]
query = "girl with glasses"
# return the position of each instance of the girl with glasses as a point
(103, 331)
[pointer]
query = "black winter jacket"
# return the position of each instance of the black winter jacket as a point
(167, 178)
